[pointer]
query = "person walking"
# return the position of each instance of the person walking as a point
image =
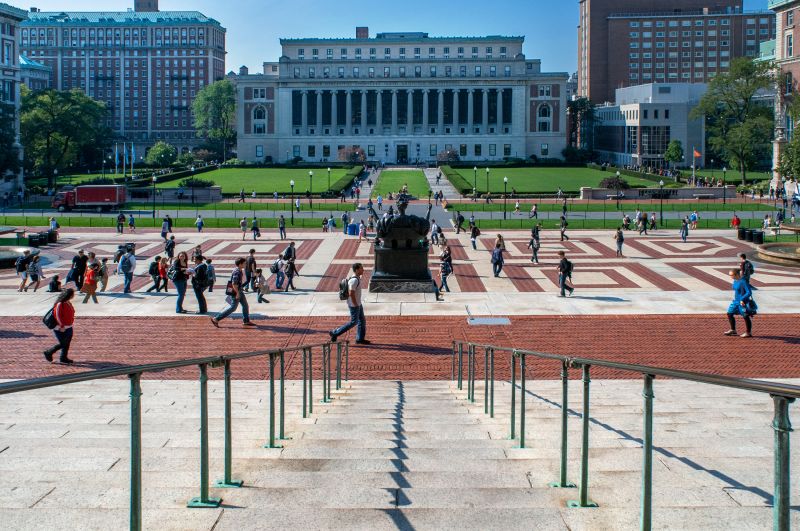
(746, 269)
(131, 223)
(534, 211)
(21, 267)
(297, 204)
(345, 221)
(164, 229)
(153, 272)
(282, 227)
(178, 273)
(243, 227)
(446, 255)
(200, 283)
(199, 223)
(379, 200)
(459, 222)
(501, 241)
(169, 223)
(742, 304)
(35, 274)
(534, 246)
(90, 284)
(355, 307)
(280, 272)
(79, 264)
(445, 270)
(64, 314)
(255, 228)
(290, 253)
(235, 296)
(163, 268)
(694, 218)
(564, 274)
(474, 232)
(563, 224)
(125, 268)
(291, 272)
(250, 270)
(331, 226)
(434, 232)
(120, 222)
(169, 248)
(516, 207)
(212, 275)
(684, 230)
(497, 259)
(643, 224)
(619, 237)
(362, 231)
(261, 285)
(103, 274)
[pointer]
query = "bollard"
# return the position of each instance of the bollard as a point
(204, 500)
(584, 486)
(513, 396)
(227, 482)
(647, 457)
(781, 499)
(271, 442)
(562, 481)
(136, 452)
(282, 412)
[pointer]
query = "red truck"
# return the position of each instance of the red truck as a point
(94, 197)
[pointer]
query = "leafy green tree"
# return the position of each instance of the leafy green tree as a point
(9, 155)
(739, 128)
(161, 154)
(674, 152)
(214, 111)
(56, 126)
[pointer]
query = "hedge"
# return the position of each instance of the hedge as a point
(458, 181)
(345, 180)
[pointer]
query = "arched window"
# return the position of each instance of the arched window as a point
(545, 118)
(259, 113)
(544, 111)
(259, 118)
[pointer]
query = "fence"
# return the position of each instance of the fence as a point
(782, 395)
(134, 373)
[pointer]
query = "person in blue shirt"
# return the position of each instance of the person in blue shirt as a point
(742, 304)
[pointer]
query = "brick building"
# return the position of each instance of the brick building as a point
(623, 43)
(146, 65)
(35, 75)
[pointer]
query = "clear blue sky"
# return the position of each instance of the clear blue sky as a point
(254, 26)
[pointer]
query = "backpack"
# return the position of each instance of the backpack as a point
(477, 232)
(344, 288)
(446, 268)
(19, 265)
(125, 264)
(274, 267)
(749, 268)
(569, 268)
(153, 269)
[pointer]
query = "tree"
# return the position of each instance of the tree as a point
(674, 152)
(447, 156)
(581, 112)
(56, 126)
(214, 111)
(9, 154)
(161, 154)
(739, 128)
(352, 154)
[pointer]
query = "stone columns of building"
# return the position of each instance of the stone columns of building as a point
(500, 110)
(379, 112)
(409, 111)
(318, 125)
(470, 110)
(456, 103)
(440, 112)
(425, 110)
(334, 112)
(394, 112)
(304, 111)
(348, 121)
(363, 112)
(485, 112)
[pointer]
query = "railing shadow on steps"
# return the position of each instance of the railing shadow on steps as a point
(781, 394)
(135, 372)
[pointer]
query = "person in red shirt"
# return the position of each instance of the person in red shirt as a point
(90, 283)
(64, 313)
(735, 222)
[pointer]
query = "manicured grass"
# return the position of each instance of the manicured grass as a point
(610, 206)
(63, 180)
(542, 180)
(611, 224)
(393, 181)
(267, 180)
(731, 177)
(317, 206)
(148, 222)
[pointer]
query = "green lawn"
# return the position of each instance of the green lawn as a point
(731, 176)
(148, 222)
(610, 206)
(611, 224)
(249, 205)
(267, 180)
(63, 180)
(542, 180)
(393, 181)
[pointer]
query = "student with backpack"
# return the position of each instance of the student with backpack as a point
(21, 267)
(350, 290)
(534, 246)
(291, 272)
(235, 296)
(120, 223)
(153, 272)
(35, 274)
(746, 269)
(200, 283)
(497, 259)
(103, 276)
(742, 304)
(261, 285)
(620, 239)
(279, 269)
(474, 232)
(212, 275)
(126, 267)
(169, 248)
(64, 318)
(250, 270)
(564, 274)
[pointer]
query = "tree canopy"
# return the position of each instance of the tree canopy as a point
(739, 127)
(674, 152)
(214, 110)
(161, 154)
(9, 154)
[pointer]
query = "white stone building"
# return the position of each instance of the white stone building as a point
(401, 97)
(10, 19)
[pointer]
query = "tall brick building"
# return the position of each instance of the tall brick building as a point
(147, 65)
(623, 43)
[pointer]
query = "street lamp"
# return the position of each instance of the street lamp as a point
(474, 183)
(329, 179)
(155, 180)
(712, 170)
(310, 187)
(616, 188)
(192, 183)
(724, 185)
(661, 198)
(487, 181)
(291, 206)
(505, 197)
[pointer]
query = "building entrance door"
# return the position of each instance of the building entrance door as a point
(402, 153)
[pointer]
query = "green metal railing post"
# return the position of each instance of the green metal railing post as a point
(521, 399)
(305, 383)
(347, 361)
(584, 485)
(647, 458)
(136, 452)
(311, 381)
(338, 366)
(226, 481)
(513, 436)
(491, 382)
(282, 412)
(271, 442)
(782, 497)
(471, 361)
(486, 381)
(326, 374)
(204, 500)
(460, 365)
(453, 363)
(562, 480)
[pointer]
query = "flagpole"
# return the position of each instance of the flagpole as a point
(124, 159)
(694, 166)
(133, 159)
(116, 158)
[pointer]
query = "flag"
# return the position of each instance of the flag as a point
(116, 154)
(133, 153)
(124, 152)
(697, 154)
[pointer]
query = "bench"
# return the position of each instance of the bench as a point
(703, 196)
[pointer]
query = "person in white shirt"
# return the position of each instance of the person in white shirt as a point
(356, 308)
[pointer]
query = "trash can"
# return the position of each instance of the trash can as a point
(758, 237)
(52, 236)
(33, 240)
(352, 230)
(44, 238)
(748, 235)
(741, 233)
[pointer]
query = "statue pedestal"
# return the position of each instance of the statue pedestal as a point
(401, 271)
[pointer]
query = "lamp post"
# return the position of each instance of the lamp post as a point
(661, 198)
(487, 181)
(616, 188)
(329, 179)
(310, 188)
(712, 170)
(192, 183)
(155, 180)
(505, 197)
(475, 183)
(291, 206)
(724, 185)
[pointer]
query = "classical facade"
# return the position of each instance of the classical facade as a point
(401, 97)
(625, 43)
(10, 19)
(787, 60)
(146, 65)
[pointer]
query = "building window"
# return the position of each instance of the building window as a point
(259, 151)
(492, 71)
(259, 113)
(402, 71)
(417, 71)
(341, 72)
(544, 150)
(477, 150)
(433, 71)
(326, 151)
(545, 91)
(312, 151)
(312, 73)
(789, 45)
(492, 150)
(432, 151)
(790, 17)
(507, 71)
(788, 83)
(356, 72)
(371, 150)
(371, 71)
(477, 71)
(386, 71)
(295, 151)
(462, 150)
(506, 150)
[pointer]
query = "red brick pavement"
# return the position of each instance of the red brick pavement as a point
(415, 347)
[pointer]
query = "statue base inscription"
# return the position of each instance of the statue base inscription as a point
(396, 285)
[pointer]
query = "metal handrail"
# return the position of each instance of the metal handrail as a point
(134, 373)
(782, 395)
